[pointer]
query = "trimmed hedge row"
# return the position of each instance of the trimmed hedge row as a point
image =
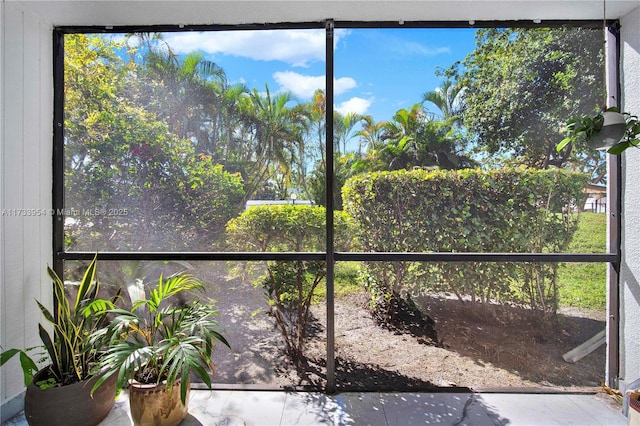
(516, 210)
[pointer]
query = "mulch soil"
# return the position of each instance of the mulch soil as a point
(453, 346)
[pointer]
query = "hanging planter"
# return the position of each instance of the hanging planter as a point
(608, 130)
(611, 132)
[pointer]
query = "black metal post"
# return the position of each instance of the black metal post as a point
(58, 151)
(330, 188)
(614, 192)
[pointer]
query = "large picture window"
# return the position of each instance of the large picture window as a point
(348, 192)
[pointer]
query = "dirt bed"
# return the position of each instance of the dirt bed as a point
(505, 347)
(502, 348)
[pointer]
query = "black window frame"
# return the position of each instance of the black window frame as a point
(612, 258)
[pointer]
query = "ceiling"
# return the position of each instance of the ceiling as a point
(152, 12)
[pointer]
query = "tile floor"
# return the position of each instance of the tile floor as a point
(264, 408)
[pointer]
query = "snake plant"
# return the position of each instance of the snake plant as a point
(71, 355)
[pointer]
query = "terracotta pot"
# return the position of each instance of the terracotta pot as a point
(153, 405)
(69, 405)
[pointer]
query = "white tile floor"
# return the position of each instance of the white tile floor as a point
(263, 408)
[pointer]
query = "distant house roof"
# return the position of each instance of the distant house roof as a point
(595, 188)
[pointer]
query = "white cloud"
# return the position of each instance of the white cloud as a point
(355, 105)
(344, 84)
(300, 85)
(295, 47)
(303, 86)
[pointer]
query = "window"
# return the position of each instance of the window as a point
(430, 155)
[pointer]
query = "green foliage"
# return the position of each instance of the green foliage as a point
(507, 211)
(290, 286)
(415, 138)
(127, 175)
(520, 85)
(211, 197)
(71, 354)
(157, 340)
(278, 147)
(582, 128)
(286, 227)
(344, 166)
(28, 365)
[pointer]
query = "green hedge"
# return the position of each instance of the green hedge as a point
(510, 210)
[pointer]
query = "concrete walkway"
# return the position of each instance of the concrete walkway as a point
(264, 408)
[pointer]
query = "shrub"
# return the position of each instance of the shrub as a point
(507, 211)
(290, 286)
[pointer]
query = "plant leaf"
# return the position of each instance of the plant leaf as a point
(7, 355)
(87, 284)
(29, 367)
(564, 142)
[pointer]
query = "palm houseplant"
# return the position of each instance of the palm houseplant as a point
(60, 393)
(154, 346)
(608, 129)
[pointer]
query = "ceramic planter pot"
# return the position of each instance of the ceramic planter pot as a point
(71, 405)
(634, 409)
(154, 405)
(613, 130)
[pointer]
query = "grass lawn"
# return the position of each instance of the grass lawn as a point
(583, 285)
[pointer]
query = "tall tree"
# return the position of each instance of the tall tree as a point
(278, 128)
(343, 130)
(186, 92)
(447, 98)
(521, 85)
(371, 134)
(133, 183)
(312, 183)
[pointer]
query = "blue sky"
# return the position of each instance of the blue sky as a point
(378, 71)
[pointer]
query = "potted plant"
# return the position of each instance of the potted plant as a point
(608, 129)
(154, 347)
(60, 393)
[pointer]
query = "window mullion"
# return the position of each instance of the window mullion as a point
(329, 184)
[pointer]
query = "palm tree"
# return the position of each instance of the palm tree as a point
(235, 149)
(184, 92)
(391, 145)
(278, 135)
(414, 139)
(405, 124)
(317, 118)
(343, 129)
(447, 99)
(371, 134)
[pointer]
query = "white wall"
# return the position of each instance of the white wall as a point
(25, 183)
(630, 271)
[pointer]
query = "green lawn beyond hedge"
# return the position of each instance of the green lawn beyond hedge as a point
(583, 285)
